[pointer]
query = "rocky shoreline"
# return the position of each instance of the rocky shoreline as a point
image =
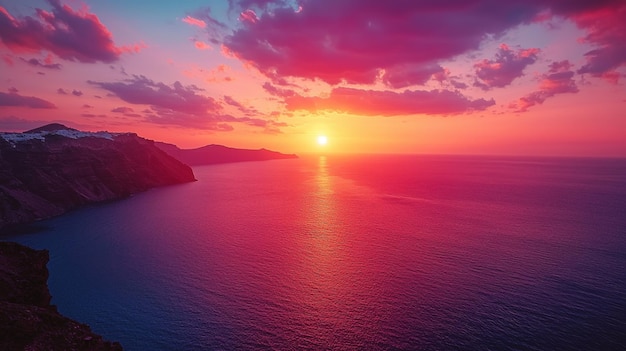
(27, 319)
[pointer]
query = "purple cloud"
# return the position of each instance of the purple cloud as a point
(37, 63)
(14, 99)
(177, 105)
(507, 66)
(178, 98)
(123, 109)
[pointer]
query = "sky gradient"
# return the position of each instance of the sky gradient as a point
(531, 77)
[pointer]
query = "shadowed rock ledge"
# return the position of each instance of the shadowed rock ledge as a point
(27, 320)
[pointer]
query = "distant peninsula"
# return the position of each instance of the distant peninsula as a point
(47, 171)
(214, 154)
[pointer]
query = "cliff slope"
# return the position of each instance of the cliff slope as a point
(27, 320)
(213, 154)
(50, 170)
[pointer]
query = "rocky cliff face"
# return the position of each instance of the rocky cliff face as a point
(27, 320)
(48, 171)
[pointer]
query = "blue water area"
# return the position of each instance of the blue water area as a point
(355, 252)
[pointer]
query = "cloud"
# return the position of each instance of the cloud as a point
(215, 122)
(71, 35)
(127, 111)
(92, 115)
(200, 45)
(123, 109)
(273, 90)
(194, 22)
(37, 63)
(606, 28)
(248, 16)
(245, 110)
(507, 66)
(404, 76)
(77, 92)
(446, 79)
(14, 99)
(179, 98)
(353, 41)
(389, 103)
(404, 44)
(177, 105)
(61, 91)
(558, 80)
(202, 18)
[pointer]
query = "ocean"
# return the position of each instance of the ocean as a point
(392, 252)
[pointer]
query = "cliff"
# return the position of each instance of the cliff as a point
(213, 154)
(27, 320)
(50, 170)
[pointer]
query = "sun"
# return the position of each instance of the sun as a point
(322, 140)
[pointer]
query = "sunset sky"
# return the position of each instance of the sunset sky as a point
(521, 77)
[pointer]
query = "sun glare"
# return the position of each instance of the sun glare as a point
(322, 140)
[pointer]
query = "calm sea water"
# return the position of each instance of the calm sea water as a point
(348, 253)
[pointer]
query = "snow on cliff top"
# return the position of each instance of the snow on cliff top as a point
(14, 138)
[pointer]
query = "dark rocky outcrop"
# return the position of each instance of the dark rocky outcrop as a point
(213, 154)
(27, 320)
(50, 170)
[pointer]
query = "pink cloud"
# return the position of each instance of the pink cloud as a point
(14, 99)
(389, 103)
(507, 66)
(194, 22)
(606, 28)
(201, 45)
(248, 16)
(71, 35)
(558, 80)
(202, 18)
